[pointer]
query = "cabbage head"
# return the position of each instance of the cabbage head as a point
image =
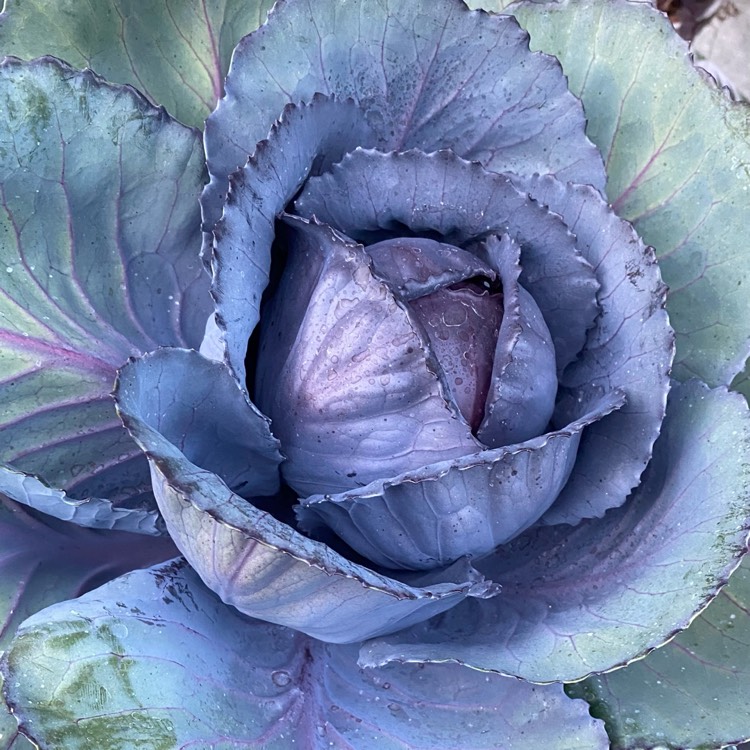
(421, 350)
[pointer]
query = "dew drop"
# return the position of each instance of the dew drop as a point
(119, 630)
(281, 678)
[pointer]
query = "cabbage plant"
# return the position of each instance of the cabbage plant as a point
(422, 433)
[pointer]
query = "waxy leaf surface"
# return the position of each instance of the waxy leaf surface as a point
(689, 693)
(99, 228)
(84, 673)
(626, 339)
(176, 52)
(430, 74)
(370, 194)
(630, 347)
(254, 561)
(344, 373)
(44, 561)
(305, 136)
(583, 599)
(470, 505)
(677, 154)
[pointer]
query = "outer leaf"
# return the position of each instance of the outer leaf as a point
(92, 512)
(429, 73)
(252, 560)
(98, 253)
(583, 600)
(677, 163)
(175, 390)
(82, 675)
(10, 738)
(44, 561)
(176, 52)
(689, 693)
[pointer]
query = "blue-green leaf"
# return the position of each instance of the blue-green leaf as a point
(155, 661)
(692, 691)
(44, 561)
(176, 52)
(196, 406)
(677, 153)
(99, 242)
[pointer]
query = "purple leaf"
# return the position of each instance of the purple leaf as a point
(581, 600)
(468, 506)
(255, 562)
(630, 347)
(522, 392)
(345, 373)
(440, 76)
(369, 194)
(458, 302)
(307, 137)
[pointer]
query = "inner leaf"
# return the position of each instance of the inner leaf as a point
(458, 301)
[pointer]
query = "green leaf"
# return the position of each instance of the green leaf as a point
(99, 239)
(175, 51)
(677, 153)
(690, 693)
(10, 739)
(44, 561)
